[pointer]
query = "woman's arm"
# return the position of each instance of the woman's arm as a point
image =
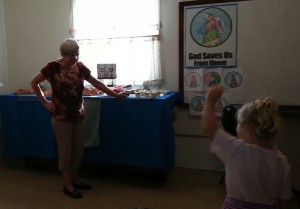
(102, 87)
(210, 120)
(37, 79)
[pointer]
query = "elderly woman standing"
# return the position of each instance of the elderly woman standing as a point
(66, 76)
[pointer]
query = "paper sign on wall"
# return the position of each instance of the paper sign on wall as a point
(106, 71)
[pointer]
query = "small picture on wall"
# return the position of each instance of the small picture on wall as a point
(211, 77)
(233, 79)
(193, 80)
(197, 101)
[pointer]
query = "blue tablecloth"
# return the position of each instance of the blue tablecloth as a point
(132, 131)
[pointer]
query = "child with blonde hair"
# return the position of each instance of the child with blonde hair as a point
(257, 174)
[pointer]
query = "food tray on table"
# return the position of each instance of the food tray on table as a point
(148, 94)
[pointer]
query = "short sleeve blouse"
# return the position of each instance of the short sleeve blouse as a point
(67, 89)
(253, 173)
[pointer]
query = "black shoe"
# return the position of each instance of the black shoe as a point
(74, 194)
(81, 185)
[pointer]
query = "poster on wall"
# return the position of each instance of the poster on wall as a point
(230, 78)
(208, 51)
(193, 80)
(210, 36)
(197, 101)
(233, 79)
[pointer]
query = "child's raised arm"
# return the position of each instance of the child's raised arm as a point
(210, 121)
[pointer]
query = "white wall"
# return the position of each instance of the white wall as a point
(34, 30)
(192, 147)
(3, 56)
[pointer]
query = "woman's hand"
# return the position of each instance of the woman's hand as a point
(122, 95)
(49, 105)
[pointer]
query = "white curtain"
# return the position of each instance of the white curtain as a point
(123, 32)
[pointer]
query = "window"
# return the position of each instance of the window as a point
(123, 32)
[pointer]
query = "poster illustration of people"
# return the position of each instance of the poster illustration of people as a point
(210, 53)
(210, 36)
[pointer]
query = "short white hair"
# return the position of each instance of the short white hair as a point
(69, 47)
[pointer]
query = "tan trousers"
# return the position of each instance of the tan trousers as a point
(70, 144)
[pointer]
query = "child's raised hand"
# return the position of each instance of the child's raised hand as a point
(214, 93)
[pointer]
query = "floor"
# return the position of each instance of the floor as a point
(35, 184)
